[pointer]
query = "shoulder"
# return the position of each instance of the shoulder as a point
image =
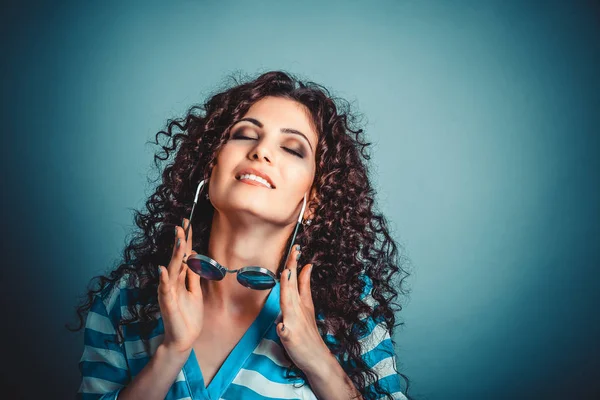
(370, 332)
(367, 289)
(113, 296)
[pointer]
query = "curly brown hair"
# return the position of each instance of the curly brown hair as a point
(346, 240)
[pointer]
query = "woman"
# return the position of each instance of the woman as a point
(307, 313)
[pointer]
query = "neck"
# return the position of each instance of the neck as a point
(237, 244)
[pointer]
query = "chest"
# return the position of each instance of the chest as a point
(218, 338)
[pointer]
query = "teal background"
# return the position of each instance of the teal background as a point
(484, 118)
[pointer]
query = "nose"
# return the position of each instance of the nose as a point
(260, 152)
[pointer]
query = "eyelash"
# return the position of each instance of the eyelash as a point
(237, 136)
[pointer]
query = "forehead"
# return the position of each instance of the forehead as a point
(277, 112)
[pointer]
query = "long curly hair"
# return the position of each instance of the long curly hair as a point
(346, 238)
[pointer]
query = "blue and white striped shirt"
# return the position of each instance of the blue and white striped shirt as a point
(254, 370)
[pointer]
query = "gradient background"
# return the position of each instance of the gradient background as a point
(485, 123)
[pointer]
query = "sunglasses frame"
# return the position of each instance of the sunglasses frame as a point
(221, 268)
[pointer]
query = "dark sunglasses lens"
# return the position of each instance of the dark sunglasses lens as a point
(256, 280)
(204, 269)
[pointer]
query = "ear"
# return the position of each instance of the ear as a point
(311, 204)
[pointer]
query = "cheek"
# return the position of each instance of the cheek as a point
(302, 179)
(227, 158)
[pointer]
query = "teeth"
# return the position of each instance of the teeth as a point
(257, 179)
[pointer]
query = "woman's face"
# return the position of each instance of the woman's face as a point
(274, 138)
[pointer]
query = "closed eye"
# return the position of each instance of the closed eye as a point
(285, 148)
(293, 152)
(242, 137)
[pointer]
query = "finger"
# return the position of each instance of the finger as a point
(282, 331)
(194, 281)
(293, 276)
(166, 300)
(177, 256)
(163, 279)
(288, 282)
(188, 242)
(163, 288)
(304, 283)
(181, 279)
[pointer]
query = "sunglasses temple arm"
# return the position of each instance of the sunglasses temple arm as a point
(296, 229)
(189, 222)
(193, 206)
(293, 238)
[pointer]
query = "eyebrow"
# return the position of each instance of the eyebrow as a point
(283, 130)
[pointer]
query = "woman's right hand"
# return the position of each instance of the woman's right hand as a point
(182, 308)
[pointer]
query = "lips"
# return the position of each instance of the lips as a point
(257, 173)
(253, 183)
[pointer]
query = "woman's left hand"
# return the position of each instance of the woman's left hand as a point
(298, 330)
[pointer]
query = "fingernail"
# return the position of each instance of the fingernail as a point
(175, 231)
(289, 274)
(183, 222)
(298, 256)
(298, 247)
(178, 242)
(159, 270)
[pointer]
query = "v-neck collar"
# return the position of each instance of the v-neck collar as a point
(236, 359)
